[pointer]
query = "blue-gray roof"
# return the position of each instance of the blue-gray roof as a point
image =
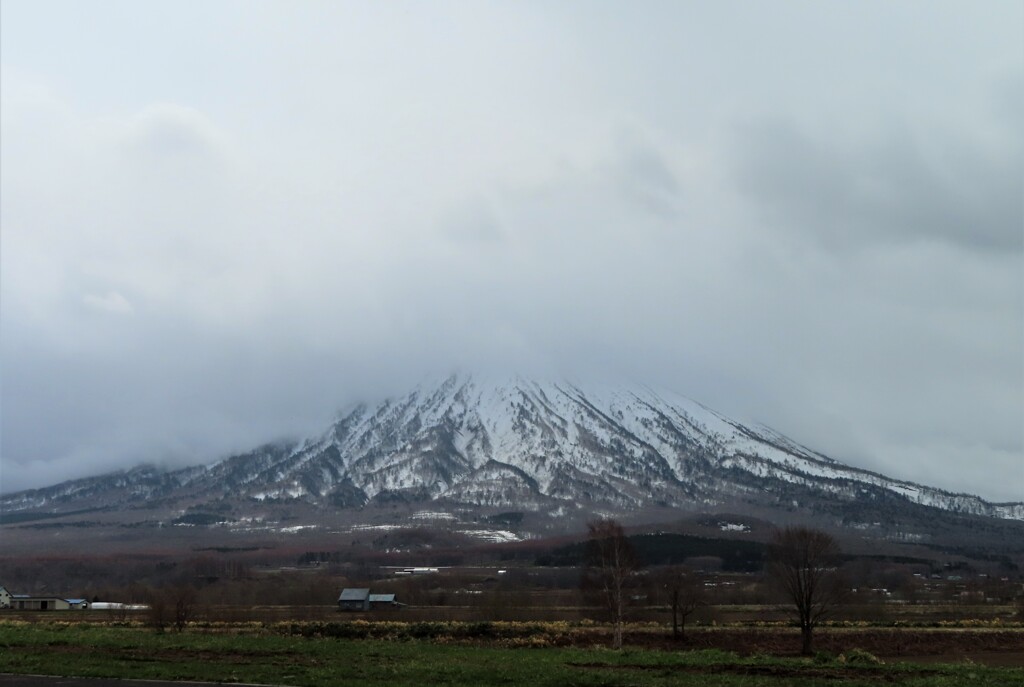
(382, 598)
(348, 594)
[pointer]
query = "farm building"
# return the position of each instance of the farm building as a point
(354, 599)
(363, 600)
(416, 571)
(117, 606)
(383, 601)
(30, 602)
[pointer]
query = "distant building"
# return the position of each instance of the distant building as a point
(383, 601)
(363, 600)
(117, 606)
(31, 602)
(354, 600)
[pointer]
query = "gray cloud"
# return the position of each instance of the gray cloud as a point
(645, 177)
(198, 257)
(900, 184)
(474, 221)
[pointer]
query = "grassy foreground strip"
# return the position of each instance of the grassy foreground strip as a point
(259, 656)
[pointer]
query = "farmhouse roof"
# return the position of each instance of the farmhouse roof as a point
(382, 598)
(351, 594)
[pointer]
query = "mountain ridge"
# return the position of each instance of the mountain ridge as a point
(503, 442)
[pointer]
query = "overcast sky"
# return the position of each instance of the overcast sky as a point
(221, 222)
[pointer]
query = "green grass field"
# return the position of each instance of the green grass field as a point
(262, 655)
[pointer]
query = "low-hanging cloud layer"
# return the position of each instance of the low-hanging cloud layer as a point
(223, 222)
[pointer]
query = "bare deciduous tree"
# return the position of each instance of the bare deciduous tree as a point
(610, 565)
(803, 563)
(172, 606)
(184, 599)
(157, 614)
(684, 591)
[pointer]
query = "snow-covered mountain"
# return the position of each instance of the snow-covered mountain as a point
(524, 444)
